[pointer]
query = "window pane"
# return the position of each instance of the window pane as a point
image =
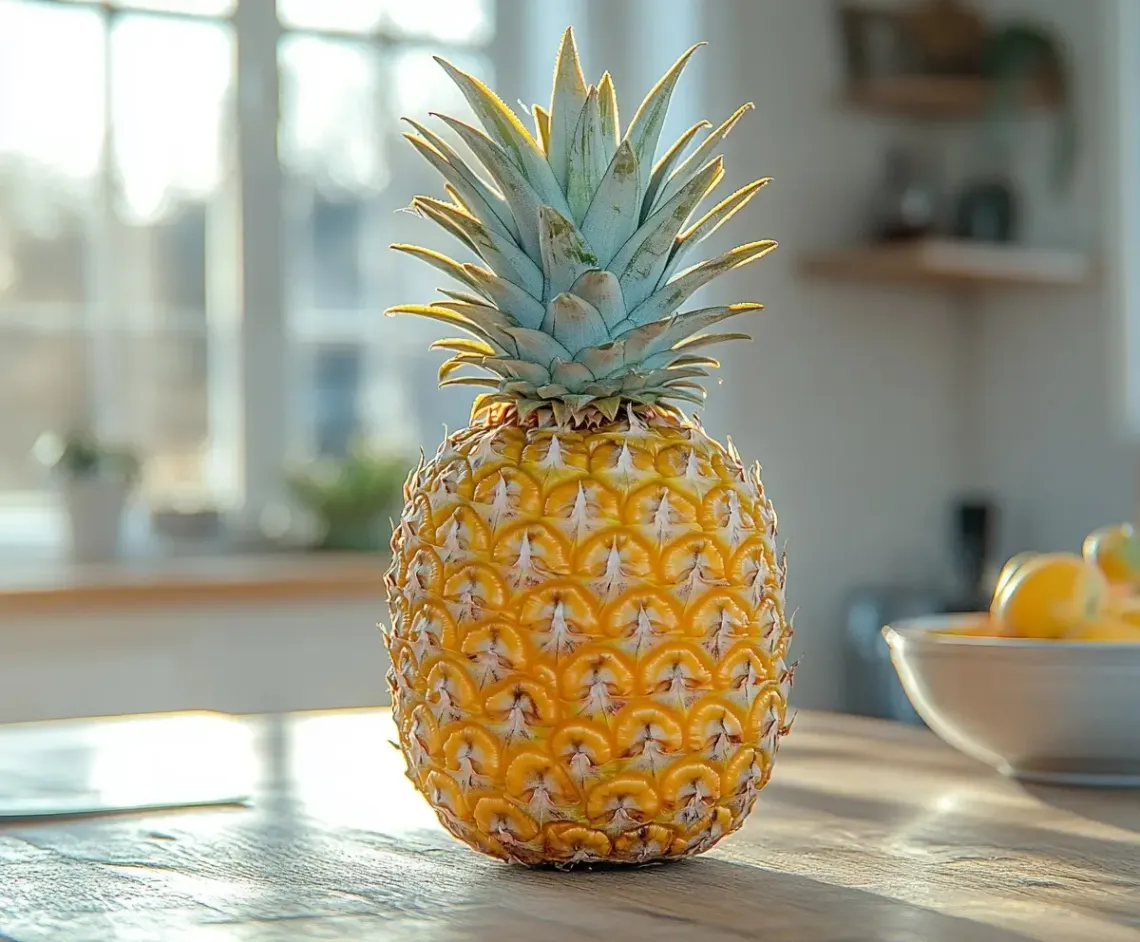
(168, 421)
(350, 16)
(50, 145)
(449, 21)
(42, 389)
(171, 82)
(197, 7)
(348, 175)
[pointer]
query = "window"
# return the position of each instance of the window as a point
(122, 172)
(112, 168)
(348, 72)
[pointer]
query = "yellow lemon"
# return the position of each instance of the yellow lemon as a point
(1011, 566)
(1124, 606)
(1116, 551)
(1104, 628)
(1050, 594)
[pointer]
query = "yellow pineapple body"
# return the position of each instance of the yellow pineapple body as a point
(588, 639)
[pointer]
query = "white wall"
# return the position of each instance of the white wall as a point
(846, 396)
(234, 657)
(1052, 441)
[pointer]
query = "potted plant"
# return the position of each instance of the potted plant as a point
(95, 480)
(1022, 55)
(352, 497)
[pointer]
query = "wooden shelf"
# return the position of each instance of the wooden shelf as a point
(949, 264)
(926, 96)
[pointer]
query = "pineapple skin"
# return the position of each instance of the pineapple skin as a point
(588, 640)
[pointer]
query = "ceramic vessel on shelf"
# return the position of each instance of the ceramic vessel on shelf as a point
(1061, 712)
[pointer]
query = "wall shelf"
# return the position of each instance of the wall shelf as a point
(924, 96)
(946, 263)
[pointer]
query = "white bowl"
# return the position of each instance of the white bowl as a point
(1061, 712)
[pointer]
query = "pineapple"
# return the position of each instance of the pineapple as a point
(588, 636)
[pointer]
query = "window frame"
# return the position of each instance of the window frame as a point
(251, 380)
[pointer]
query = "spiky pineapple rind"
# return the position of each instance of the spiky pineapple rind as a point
(588, 640)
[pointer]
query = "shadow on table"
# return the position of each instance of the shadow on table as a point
(714, 899)
(1092, 803)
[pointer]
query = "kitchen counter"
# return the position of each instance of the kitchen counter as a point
(869, 832)
(41, 586)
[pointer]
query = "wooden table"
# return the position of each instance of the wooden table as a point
(869, 831)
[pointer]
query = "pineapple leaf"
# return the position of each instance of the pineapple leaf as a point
(665, 166)
(609, 406)
(448, 367)
(470, 381)
(706, 340)
(436, 211)
(702, 153)
(602, 289)
(527, 407)
(608, 104)
(577, 402)
(461, 296)
(441, 262)
(561, 411)
(480, 314)
(504, 126)
(454, 169)
(574, 376)
(642, 260)
(710, 222)
(518, 370)
(604, 388)
(612, 216)
(463, 345)
(448, 317)
(588, 160)
(645, 129)
(465, 193)
(542, 126)
(565, 253)
(486, 400)
(535, 346)
(642, 342)
(671, 392)
(685, 384)
(552, 391)
(603, 360)
(522, 197)
(500, 252)
(566, 105)
(574, 323)
(508, 297)
(671, 296)
(684, 372)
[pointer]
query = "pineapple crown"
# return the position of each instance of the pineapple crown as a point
(577, 313)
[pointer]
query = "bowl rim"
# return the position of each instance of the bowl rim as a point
(921, 628)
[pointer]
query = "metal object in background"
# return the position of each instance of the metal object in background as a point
(873, 687)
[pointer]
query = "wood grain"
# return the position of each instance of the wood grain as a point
(935, 97)
(869, 831)
(924, 263)
(58, 587)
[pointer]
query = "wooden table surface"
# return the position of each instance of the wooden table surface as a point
(868, 831)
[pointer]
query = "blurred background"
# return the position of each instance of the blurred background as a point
(205, 420)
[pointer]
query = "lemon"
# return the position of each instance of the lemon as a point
(1049, 595)
(1115, 550)
(1104, 628)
